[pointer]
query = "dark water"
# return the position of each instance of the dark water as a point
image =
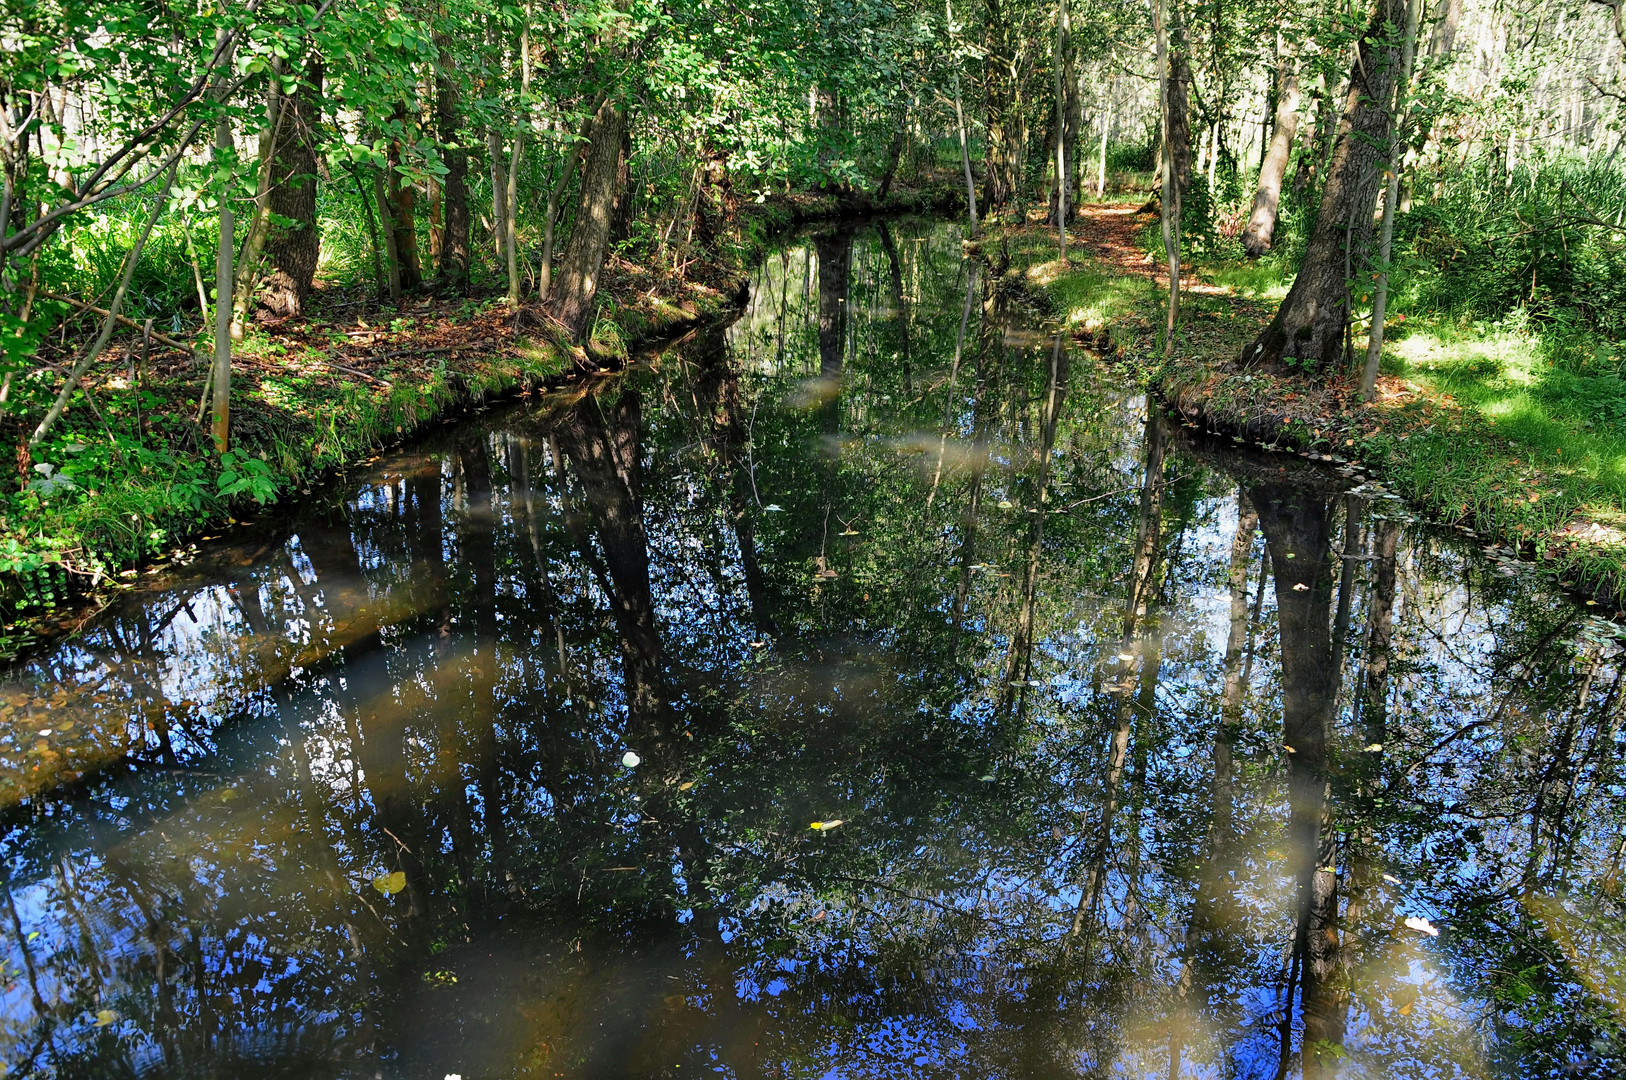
(870, 689)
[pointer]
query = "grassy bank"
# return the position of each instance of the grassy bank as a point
(1509, 431)
(129, 475)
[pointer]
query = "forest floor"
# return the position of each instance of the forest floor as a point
(129, 477)
(1552, 492)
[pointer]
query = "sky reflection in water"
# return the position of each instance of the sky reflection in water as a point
(983, 726)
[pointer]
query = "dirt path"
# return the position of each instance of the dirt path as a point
(1111, 232)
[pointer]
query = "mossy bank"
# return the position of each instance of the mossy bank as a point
(1554, 495)
(129, 475)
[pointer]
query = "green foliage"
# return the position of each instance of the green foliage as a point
(1131, 156)
(1548, 238)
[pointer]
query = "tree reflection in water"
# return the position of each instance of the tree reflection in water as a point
(1143, 751)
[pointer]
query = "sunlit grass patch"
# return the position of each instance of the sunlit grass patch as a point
(1088, 295)
(1262, 280)
(1556, 397)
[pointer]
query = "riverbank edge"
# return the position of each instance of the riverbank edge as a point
(1449, 465)
(367, 414)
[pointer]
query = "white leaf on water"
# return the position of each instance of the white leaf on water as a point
(631, 760)
(1301, 587)
(774, 508)
(1421, 925)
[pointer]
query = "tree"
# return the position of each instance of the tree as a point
(294, 242)
(1261, 227)
(1310, 326)
(583, 259)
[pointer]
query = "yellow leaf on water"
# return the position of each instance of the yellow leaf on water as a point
(390, 884)
(686, 785)
(105, 1017)
(826, 826)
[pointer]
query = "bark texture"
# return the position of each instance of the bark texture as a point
(583, 260)
(402, 207)
(1261, 227)
(1179, 132)
(294, 245)
(1309, 326)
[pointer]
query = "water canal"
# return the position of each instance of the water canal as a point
(871, 688)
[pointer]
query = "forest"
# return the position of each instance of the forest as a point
(812, 538)
(204, 207)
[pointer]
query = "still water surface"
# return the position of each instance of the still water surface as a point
(869, 689)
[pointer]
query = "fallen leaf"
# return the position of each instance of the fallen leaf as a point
(631, 760)
(105, 1017)
(1421, 925)
(686, 785)
(826, 826)
(390, 884)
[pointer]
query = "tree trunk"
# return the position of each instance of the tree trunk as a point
(499, 193)
(1256, 238)
(1176, 148)
(625, 192)
(293, 249)
(403, 202)
(392, 255)
(551, 216)
(583, 259)
(1179, 131)
(894, 154)
(1070, 107)
(1007, 126)
(259, 221)
(1386, 235)
(454, 250)
(225, 253)
(965, 158)
(1309, 326)
(1106, 130)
